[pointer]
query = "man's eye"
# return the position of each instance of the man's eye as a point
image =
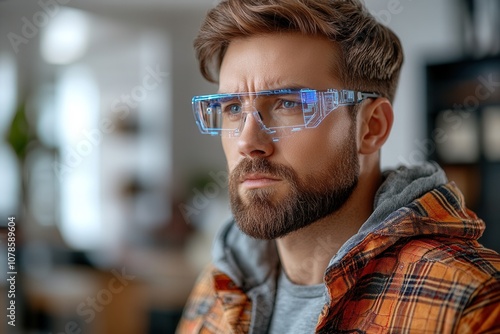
(233, 109)
(289, 104)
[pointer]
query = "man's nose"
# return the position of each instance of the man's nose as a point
(254, 139)
(256, 118)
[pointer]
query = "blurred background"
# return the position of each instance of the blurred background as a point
(115, 195)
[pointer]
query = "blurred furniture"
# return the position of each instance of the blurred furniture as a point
(463, 131)
(144, 295)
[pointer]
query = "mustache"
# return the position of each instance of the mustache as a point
(261, 165)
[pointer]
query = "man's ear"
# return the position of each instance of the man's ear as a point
(376, 118)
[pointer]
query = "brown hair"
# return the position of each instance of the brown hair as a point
(372, 53)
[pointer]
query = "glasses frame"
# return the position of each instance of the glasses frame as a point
(321, 102)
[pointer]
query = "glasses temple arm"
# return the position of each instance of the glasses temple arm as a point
(349, 97)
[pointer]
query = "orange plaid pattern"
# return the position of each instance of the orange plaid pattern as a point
(422, 271)
(216, 306)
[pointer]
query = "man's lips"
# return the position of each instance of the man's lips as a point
(258, 180)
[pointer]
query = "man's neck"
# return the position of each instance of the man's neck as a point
(306, 253)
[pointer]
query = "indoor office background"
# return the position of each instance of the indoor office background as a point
(116, 196)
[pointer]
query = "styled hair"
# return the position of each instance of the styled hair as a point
(371, 54)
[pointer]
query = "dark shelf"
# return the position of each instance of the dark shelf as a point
(463, 119)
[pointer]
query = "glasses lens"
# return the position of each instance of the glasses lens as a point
(221, 113)
(275, 110)
(280, 110)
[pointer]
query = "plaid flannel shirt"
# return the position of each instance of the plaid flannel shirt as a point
(423, 271)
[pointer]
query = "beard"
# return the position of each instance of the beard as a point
(261, 216)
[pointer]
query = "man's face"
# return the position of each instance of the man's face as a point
(279, 187)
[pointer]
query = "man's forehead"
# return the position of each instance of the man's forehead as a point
(241, 86)
(277, 61)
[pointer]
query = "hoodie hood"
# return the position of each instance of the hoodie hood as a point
(400, 187)
(251, 263)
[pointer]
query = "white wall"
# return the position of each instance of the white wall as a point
(429, 31)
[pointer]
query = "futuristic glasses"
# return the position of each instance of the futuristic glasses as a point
(278, 112)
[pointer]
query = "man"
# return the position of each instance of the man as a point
(322, 241)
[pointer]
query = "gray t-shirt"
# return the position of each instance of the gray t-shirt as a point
(297, 307)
